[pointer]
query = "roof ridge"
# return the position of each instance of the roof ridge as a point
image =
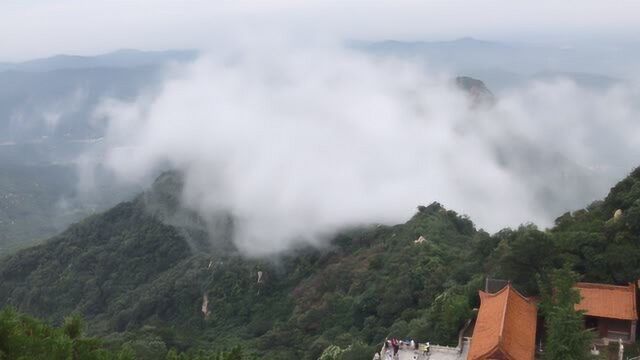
(507, 288)
(504, 312)
(627, 287)
(497, 292)
(527, 299)
(502, 321)
(510, 290)
(611, 301)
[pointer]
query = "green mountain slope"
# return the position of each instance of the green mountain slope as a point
(137, 279)
(92, 263)
(603, 246)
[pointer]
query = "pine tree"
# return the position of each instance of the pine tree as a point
(566, 337)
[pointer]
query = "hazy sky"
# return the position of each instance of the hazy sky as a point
(32, 28)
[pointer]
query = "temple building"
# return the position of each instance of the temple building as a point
(505, 327)
(610, 310)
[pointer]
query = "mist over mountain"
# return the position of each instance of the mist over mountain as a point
(71, 117)
(269, 125)
(47, 124)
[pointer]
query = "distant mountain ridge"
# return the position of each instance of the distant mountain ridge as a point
(119, 58)
(506, 65)
(465, 42)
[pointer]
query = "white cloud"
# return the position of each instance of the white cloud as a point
(299, 141)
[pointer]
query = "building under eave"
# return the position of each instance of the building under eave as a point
(505, 328)
(610, 310)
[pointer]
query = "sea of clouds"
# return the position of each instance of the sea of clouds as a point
(298, 141)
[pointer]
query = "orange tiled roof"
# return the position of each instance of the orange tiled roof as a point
(608, 301)
(505, 327)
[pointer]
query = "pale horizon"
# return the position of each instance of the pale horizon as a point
(35, 29)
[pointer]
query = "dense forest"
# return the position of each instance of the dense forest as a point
(150, 286)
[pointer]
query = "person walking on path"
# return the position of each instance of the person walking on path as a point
(396, 346)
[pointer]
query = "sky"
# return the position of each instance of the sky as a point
(37, 28)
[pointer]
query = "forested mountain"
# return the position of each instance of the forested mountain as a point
(125, 269)
(140, 281)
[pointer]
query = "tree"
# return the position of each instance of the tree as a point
(73, 326)
(567, 339)
(126, 353)
(172, 355)
(523, 252)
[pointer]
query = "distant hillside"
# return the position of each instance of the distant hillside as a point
(47, 120)
(120, 58)
(59, 104)
(581, 79)
(507, 65)
(134, 277)
(55, 97)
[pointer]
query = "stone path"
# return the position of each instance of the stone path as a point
(435, 353)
